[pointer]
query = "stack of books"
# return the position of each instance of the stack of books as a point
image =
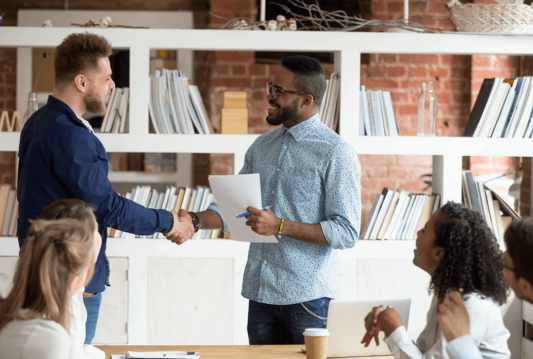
(329, 108)
(9, 210)
(398, 215)
(117, 114)
(190, 199)
(376, 114)
(176, 106)
(503, 109)
(496, 208)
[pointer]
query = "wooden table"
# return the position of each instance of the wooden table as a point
(222, 351)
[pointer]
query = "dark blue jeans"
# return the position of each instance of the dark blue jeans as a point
(92, 304)
(284, 324)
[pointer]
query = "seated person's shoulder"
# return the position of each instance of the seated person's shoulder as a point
(48, 339)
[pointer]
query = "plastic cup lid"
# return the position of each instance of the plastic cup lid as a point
(316, 332)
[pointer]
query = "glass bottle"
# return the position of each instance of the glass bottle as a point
(32, 107)
(427, 111)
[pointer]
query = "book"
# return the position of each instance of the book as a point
(371, 217)
(376, 113)
(523, 120)
(361, 112)
(200, 109)
(14, 217)
(504, 115)
(397, 218)
(5, 191)
(402, 221)
(426, 214)
(393, 124)
(436, 204)
(488, 106)
(472, 192)
(108, 109)
(9, 210)
(491, 215)
(521, 87)
(479, 107)
(389, 214)
(366, 114)
(498, 219)
(387, 199)
(112, 112)
(495, 110)
(384, 114)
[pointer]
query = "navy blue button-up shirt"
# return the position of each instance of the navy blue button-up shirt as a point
(309, 174)
(60, 158)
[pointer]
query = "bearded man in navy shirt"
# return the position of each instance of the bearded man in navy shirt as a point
(60, 157)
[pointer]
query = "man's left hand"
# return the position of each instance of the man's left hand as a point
(263, 222)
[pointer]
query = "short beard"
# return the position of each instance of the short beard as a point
(287, 113)
(94, 103)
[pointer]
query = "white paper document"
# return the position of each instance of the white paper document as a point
(234, 194)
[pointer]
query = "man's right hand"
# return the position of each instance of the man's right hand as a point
(183, 229)
(453, 318)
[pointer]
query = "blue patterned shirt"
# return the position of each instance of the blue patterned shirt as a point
(308, 175)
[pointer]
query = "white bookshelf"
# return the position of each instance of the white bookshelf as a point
(447, 152)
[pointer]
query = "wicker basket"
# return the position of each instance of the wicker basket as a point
(503, 18)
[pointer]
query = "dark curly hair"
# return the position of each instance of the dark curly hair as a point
(472, 259)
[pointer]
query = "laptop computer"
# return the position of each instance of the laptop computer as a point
(346, 326)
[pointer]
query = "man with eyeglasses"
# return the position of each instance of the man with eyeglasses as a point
(311, 178)
(453, 318)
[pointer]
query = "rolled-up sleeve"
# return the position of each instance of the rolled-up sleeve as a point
(343, 198)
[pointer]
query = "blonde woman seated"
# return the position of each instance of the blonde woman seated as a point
(459, 252)
(53, 266)
(83, 211)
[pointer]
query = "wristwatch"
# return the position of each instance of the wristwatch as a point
(195, 221)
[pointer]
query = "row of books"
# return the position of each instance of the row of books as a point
(503, 109)
(117, 112)
(376, 114)
(398, 215)
(497, 211)
(176, 106)
(9, 210)
(190, 199)
(330, 106)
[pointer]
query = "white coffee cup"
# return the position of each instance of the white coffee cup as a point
(316, 343)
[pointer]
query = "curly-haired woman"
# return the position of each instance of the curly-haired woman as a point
(459, 252)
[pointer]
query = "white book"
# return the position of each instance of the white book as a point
(480, 180)
(393, 124)
(324, 101)
(9, 211)
(504, 115)
(403, 199)
(186, 197)
(492, 213)
(172, 111)
(171, 203)
(185, 100)
(361, 113)
(373, 213)
(193, 200)
(416, 218)
(495, 110)
(397, 234)
(196, 98)
(199, 197)
(384, 118)
(529, 129)
(113, 112)
(366, 113)
(403, 234)
(526, 114)
(192, 111)
(329, 110)
(521, 100)
(376, 113)
(151, 107)
(124, 110)
(159, 205)
(337, 101)
(164, 104)
(158, 108)
(374, 216)
(382, 212)
(108, 109)
(183, 115)
(486, 110)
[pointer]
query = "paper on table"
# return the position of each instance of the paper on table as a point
(234, 194)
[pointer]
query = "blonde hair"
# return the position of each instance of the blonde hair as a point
(54, 253)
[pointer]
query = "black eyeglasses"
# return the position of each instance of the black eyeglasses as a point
(275, 91)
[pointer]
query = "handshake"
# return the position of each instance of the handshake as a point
(183, 228)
